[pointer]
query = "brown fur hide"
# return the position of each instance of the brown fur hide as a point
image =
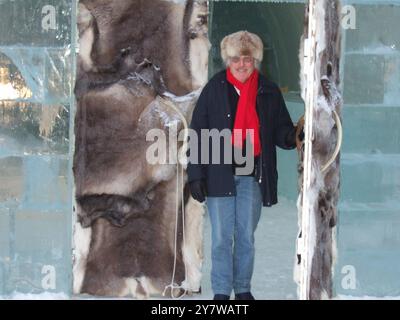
(131, 52)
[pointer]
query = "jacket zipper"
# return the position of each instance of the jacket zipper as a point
(259, 129)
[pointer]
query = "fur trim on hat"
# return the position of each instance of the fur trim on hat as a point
(242, 43)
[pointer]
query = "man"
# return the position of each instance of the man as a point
(238, 98)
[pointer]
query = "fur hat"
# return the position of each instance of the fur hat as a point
(242, 43)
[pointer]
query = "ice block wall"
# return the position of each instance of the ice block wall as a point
(369, 211)
(36, 107)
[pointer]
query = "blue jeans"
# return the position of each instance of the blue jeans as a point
(233, 223)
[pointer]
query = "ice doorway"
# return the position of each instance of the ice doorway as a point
(280, 26)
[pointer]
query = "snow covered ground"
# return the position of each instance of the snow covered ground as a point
(345, 297)
(63, 296)
(40, 296)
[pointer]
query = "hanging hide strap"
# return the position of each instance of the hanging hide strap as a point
(181, 156)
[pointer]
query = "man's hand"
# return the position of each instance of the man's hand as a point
(198, 190)
(300, 133)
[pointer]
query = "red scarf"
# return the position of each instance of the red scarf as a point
(246, 114)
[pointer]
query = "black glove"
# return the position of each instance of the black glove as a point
(300, 134)
(198, 190)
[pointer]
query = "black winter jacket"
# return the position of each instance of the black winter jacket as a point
(276, 129)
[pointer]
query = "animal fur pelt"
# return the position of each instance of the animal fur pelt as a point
(323, 193)
(136, 57)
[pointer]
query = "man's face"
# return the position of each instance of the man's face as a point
(242, 67)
